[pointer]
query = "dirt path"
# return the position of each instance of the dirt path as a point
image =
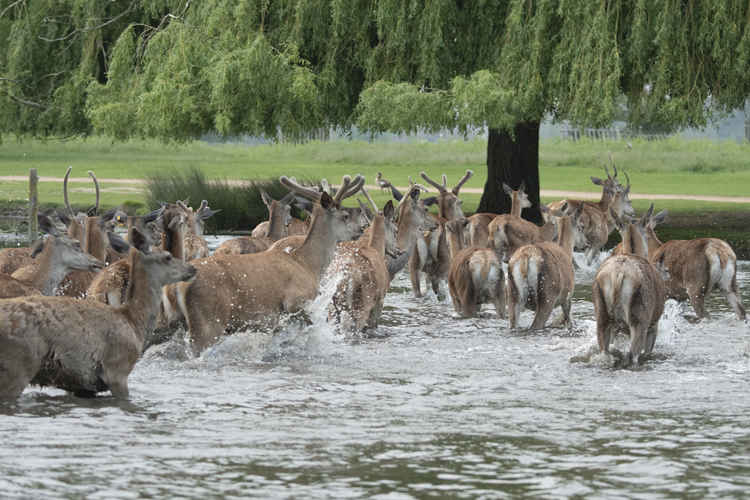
(551, 193)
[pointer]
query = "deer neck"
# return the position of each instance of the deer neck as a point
(406, 230)
(515, 205)
(455, 242)
(605, 201)
(173, 241)
(376, 239)
(317, 250)
(633, 242)
(653, 241)
(567, 236)
(276, 227)
(142, 299)
(95, 244)
(50, 272)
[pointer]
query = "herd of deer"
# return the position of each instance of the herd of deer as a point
(77, 309)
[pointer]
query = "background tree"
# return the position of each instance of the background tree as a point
(175, 69)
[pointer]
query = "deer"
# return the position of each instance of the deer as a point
(83, 347)
(629, 292)
(449, 205)
(234, 291)
(12, 259)
(476, 274)
(597, 221)
(541, 275)
(195, 245)
(412, 219)
(478, 227)
(695, 268)
(279, 217)
(55, 257)
(294, 241)
(358, 300)
(508, 233)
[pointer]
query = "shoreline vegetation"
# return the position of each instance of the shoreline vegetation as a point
(671, 166)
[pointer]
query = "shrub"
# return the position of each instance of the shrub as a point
(240, 202)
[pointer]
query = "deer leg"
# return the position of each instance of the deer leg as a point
(119, 388)
(638, 343)
(651, 337)
(414, 274)
(696, 296)
(733, 298)
(543, 310)
(565, 306)
(515, 302)
(18, 366)
(500, 299)
(435, 282)
(591, 254)
(603, 327)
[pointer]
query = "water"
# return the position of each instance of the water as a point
(431, 406)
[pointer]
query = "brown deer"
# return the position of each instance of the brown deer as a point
(81, 346)
(234, 291)
(449, 205)
(478, 227)
(12, 259)
(55, 257)
(596, 218)
(476, 274)
(508, 233)
(364, 278)
(629, 292)
(541, 275)
(697, 267)
(279, 217)
(195, 245)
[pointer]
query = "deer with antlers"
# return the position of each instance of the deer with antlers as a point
(541, 276)
(629, 292)
(476, 275)
(279, 217)
(596, 218)
(234, 291)
(83, 347)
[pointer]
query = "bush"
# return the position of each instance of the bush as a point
(241, 205)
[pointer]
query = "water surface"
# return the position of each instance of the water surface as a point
(430, 406)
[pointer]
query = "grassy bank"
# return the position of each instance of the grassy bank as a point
(674, 166)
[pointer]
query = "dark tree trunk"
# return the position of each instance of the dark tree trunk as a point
(512, 158)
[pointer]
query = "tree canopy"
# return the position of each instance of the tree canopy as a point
(176, 69)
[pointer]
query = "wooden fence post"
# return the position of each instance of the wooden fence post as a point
(33, 206)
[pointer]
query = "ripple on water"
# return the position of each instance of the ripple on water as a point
(429, 405)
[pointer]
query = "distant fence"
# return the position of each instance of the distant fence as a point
(607, 134)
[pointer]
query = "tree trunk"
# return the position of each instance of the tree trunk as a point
(512, 157)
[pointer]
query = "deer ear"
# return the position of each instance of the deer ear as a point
(597, 181)
(326, 201)
(619, 223)
(507, 189)
(388, 210)
(267, 200)
(140, 241)
(659, 218)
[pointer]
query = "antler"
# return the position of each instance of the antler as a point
(349, 187)
(369, 199)
(432, 183)
(385, 184)
(463, 180)
(304, 191)
(96, 185)
(65, 191)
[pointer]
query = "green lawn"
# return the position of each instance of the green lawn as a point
(672, 166)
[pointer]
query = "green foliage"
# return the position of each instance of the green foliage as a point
(241, 205)
(175, 69)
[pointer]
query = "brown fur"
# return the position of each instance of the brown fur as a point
(629, 293)
(508, 233)
(236, 290)
(696, 267)
(12, 259)
(478, 227)
(84, 347)
(541, 276)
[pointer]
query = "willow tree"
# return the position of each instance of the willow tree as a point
(175, 69)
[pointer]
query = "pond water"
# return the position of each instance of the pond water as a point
(430, 406)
